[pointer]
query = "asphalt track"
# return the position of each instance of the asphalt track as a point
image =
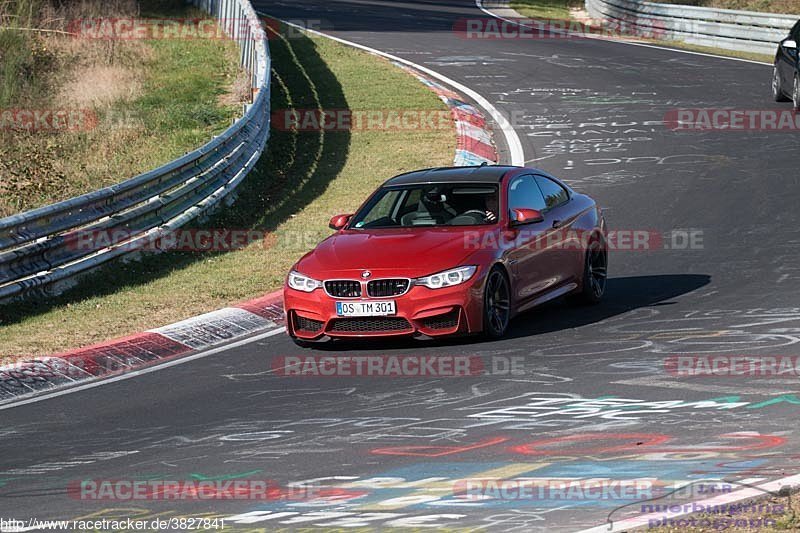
(588, 111)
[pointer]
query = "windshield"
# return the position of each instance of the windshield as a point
(437, 204)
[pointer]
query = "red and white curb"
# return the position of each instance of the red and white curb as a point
(475, 145)
(136, 352)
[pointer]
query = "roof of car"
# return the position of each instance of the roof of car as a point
(480, 174)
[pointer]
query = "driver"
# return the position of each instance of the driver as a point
(478, 205)
(435, 203)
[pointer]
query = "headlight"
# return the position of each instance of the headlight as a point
(303, 283)
(448, 278)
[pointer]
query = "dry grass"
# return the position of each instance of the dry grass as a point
(56, 14)
(154, 100)
(100, 86)
(240, 91)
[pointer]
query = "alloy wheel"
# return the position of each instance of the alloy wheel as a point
(796, 93)
(497, 302)
(776, 83)
(597, 266)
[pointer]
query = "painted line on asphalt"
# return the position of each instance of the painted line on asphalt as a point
(512, 139)
(721, 500)
(479, 5)
(673, 383)
(147, 370)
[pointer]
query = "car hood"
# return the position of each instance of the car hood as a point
(412, 252)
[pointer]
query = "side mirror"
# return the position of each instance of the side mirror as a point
(522, 216)
(339, 221)
(790, 44)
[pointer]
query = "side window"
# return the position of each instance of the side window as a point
(795, 33)
(554, 194)
(524, 193)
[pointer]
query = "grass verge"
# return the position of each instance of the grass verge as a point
(564, 10)
(764, 6)
(558, 8)
(546, 9)
(153, 99)
(302, 179)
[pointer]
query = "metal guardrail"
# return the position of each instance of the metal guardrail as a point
(39, 248)
(744, 31)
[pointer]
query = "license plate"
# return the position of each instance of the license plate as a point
(365, 308)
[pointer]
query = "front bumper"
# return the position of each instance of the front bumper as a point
(431, 312)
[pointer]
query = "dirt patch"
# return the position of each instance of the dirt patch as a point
(100, 86)
(141, 102)
(239, 91)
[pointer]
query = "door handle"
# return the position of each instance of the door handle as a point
(556, 224)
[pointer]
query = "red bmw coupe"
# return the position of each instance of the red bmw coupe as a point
(449, 251)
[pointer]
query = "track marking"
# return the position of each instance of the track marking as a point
(148, 370)
(479, 5)
(672, 383)
(511, 137)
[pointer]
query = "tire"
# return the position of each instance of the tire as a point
(796, 94)
(595, 274)
(777, 87)
(496, 304)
